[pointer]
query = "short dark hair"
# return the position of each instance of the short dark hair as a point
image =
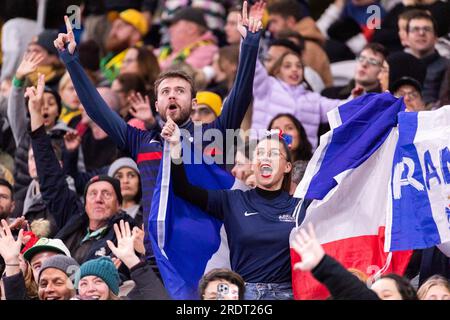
(131, 82)
(285, 43)
(175, 74)
(222, 274)
(286, 34)
(5, 183)
(286, 8)
(377, 48)
(404, 287)
(422, 15)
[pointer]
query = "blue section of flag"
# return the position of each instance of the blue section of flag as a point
(413, 225)
(190, 235)
(366, 123)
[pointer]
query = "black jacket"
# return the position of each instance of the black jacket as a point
(71, 220)
(147, 285)
(342, 284)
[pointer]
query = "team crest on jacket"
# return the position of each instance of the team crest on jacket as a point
(286, 218)
(101, 252)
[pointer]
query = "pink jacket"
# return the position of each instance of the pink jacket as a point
(200, 56)
(273, 96)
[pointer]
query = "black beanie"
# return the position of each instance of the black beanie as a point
(57, 98)
(404, 66)
(45, 40)
(113, 181)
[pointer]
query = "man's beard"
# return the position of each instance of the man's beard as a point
(4, 214)
(113, 44)
(181, 117)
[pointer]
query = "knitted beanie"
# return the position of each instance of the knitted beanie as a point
(113, 181)
(61, 262)
(103, 268)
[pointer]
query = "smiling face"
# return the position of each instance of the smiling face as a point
(270, 165)
(175, 100)
(49, 110)
(55, 285)
(291, 70)
(421, 37)
(93, 288)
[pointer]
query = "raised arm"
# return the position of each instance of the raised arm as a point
(17, 112)
(339, 281)
(240, 97)
(148, 286)
(95, 106)
(60, 200)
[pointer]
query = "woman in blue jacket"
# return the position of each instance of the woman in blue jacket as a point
(258, 222)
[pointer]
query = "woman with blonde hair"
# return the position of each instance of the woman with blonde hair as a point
(436, 287)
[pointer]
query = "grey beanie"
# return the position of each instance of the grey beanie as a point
(61, 262)
(122, 163)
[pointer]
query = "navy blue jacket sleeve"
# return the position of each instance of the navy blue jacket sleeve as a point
(61, 202)
(92, 101)
(342, 284)
(70, 168)
(236, 104)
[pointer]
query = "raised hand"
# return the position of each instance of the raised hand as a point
(9, 247)
(308, 247)
(139, 239)
(64, 38)
(72, 140)
(35, 95)
(140, 108)
(29, 64)
(170, 132)
(125, 244)
(253, 21)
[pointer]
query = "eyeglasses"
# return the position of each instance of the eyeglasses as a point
(92, 195)
(410, 94)
(416, 30)
(371, 61)
(273, 153)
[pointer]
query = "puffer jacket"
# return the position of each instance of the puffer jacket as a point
(272, 97)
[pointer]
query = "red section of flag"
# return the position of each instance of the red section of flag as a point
(148, 156)
(364, 253)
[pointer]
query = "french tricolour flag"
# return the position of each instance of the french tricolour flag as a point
(345, 190)
(420, 185)
(186, 241)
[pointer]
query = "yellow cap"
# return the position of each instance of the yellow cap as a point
(136, 19)
(211, 99)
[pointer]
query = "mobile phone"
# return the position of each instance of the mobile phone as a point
(222, 291)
